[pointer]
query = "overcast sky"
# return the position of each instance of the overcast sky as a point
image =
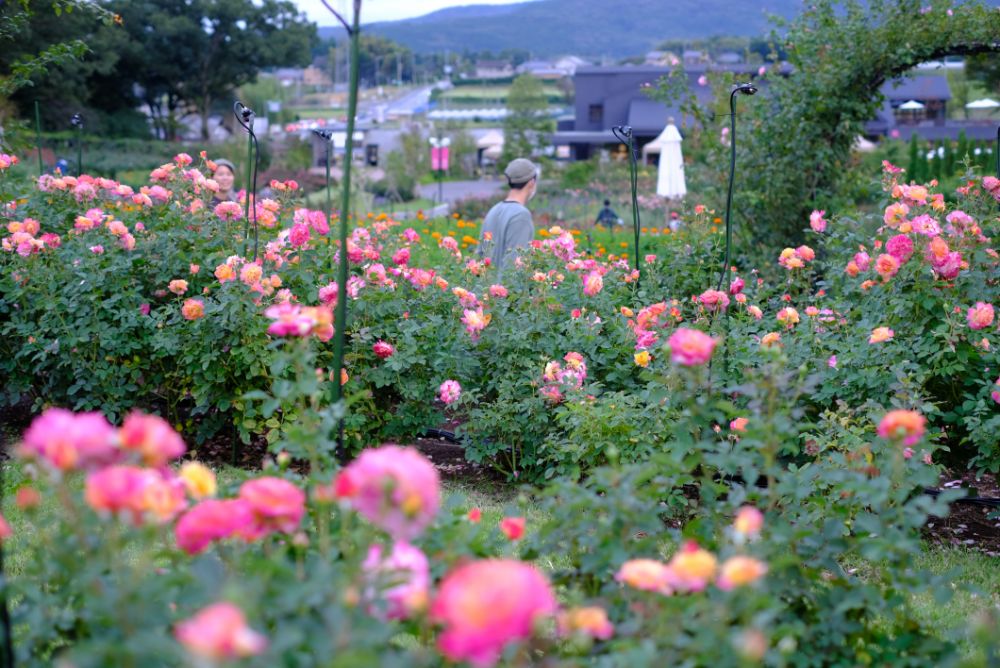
(384, 10)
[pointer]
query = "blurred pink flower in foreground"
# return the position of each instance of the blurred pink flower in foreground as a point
(396, 489)
(220, 632)
(484, 605)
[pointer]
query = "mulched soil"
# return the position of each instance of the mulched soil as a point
(967, 526)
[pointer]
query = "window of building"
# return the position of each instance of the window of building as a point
(596, 114)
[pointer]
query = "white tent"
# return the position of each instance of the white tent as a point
(862, 145)
(491, 138)
(985, 103)
(911, 105)
(670, 182)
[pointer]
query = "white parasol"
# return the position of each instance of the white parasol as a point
(670, 182)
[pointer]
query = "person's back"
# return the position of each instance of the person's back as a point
(508, 225)
(607, 216)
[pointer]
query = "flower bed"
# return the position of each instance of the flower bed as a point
(715, 451)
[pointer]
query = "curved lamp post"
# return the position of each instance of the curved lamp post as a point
(623, 133)
(745, 89)
(245, 116)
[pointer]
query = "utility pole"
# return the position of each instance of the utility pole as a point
(336, 66)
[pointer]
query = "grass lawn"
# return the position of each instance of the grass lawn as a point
(419, 204)
(317, 200)
(317, 112)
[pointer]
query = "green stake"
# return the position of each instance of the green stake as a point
(38, 137)
(340, 316)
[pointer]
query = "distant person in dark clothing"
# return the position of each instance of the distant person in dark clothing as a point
(508, 225)
(607, 216)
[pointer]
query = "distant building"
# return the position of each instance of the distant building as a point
(931, 93)
(692, 57)
(493, 69)
(540, 69)
(569, 64)
(315, 76)
(616, 96)
(729, 58)
(900, 118)
(611, 96)
(660, 58)
(289, 76)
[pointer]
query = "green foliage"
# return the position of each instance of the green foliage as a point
(578, 175)
(47, 41)
(984, 69)
(917, 162)
(167, 55)
(827, 508)
(842, 53)
(200, 52)
(405, 167)
(526, 120)
(640, 455)
(382, 60)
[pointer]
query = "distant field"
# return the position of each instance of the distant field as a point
(317, 112)
(491, 94)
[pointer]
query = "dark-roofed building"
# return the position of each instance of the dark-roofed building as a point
(540, 69)
(493, 69)
(613, 96)
(610, 96)
(919, 105)
(928, 94)
(692, 57)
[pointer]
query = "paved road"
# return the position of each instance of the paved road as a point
(456, 190)
(409, 103)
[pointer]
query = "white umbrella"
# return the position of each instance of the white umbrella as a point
(491, 138)
(985, 103)
(670, 181)
(912, 105)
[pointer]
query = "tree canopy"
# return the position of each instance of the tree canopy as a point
(171, 55)
(795, 150)
(526, 121)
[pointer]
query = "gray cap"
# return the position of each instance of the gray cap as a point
(520, 171)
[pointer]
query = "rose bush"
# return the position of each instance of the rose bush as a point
(719, 449)
(173, 314)
(716, 554)
(123, 327)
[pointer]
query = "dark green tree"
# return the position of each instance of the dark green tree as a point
(962, 148)
(913, 169)
(937, 164)
(65, 55)
(527, 119)
(382, 60)
(193, 54)
(985, 69)
(948, 159)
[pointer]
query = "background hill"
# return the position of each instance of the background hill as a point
(592, 28)
(582, 27)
